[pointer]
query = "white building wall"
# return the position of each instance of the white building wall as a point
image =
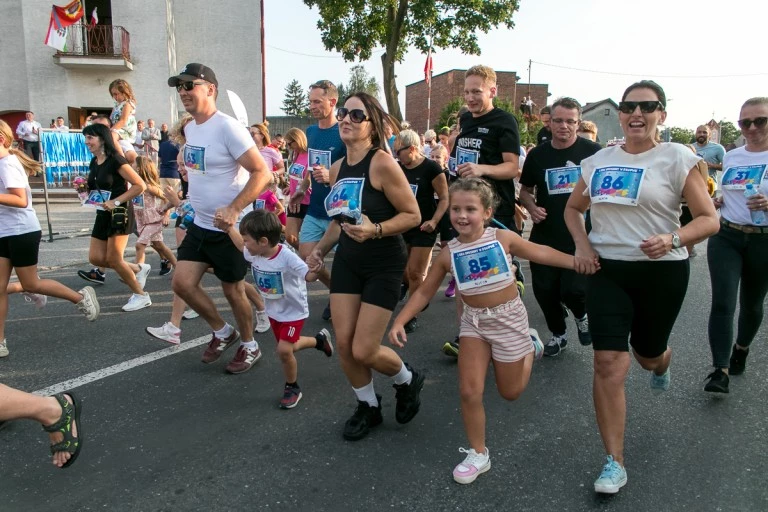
(13, 83)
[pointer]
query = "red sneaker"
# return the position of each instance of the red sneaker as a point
(244, 359)
(291, 397)
(217, 346)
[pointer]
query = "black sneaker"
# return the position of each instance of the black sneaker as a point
(411, 325)
(582, 325)
(717, 381)
(327, 312)
(407, 396)
(738, 361)
(555, 345)
(361, 422)
(165, 267)
(451, 348)
(324, 345)
(93, 275)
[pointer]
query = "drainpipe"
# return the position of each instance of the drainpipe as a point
(263, 67)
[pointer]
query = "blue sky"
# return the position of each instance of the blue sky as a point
(674, 42)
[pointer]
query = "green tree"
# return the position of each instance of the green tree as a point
(728, 132)
(296, 102)
(356, 27)
(449, 114)
(681, 135)
(359, 80)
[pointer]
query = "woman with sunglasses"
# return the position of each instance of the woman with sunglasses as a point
(634, 193)
(298, 172)
(274, 159)
(427, 182)
(743, 244)
(370, 260)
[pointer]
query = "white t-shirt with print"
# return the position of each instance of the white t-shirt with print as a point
(281, 281)
(740, 167)
(210, 157)
(635, 197)
(16, 221)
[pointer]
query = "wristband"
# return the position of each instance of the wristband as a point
(378, 231)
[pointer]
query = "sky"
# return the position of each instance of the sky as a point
(709, 56)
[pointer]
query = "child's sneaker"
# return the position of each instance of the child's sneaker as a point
(451, 290)
(262, 322)
(291, 397)
(538, 346)
(94, 275)
(324, 342)
(35, 298)
(4, 348)
(660, 383)
(165, 267)
(168, 332)
(190, 314)
(474, 465)
(612, 478)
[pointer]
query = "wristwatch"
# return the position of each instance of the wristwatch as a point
(675, 240)
(117, 203)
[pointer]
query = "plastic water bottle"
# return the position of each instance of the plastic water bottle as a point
(758, 217)
(354, 212)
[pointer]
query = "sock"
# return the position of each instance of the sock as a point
(250, 345)
(367, 394)
(403, 376)
(294, 385)
(224, 332)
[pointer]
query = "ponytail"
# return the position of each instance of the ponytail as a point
(31, 167)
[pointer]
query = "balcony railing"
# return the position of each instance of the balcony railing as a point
(97, 41)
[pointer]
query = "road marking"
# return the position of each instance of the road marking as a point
(121, 367)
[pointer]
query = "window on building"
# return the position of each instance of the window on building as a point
(607, 112)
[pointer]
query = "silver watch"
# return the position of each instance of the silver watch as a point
(675, 240)
(117, 203)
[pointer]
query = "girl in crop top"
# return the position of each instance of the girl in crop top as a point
(494, 322)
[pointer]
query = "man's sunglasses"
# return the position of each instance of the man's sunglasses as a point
(646, 107)
(759, 122)
(188, 86)
(356, 115)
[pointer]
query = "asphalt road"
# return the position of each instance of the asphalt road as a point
(174, 434)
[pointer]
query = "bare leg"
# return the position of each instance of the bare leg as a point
(127, 271)
(254, 296)
(611, 368)
(140, 253)
(474, 356)
(30, 282)
(5, 276)
(241, 308)
(186, 284)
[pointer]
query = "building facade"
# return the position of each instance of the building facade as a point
(448, 86)
(605, 114)
(142, 41)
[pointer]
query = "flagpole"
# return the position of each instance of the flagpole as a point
(429, 86)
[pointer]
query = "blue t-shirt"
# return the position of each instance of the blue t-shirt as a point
(712, 153)
(167, 154)
(326, 139)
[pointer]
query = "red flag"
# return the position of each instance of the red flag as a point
(428, 68)
(94, 18)
(69, 14)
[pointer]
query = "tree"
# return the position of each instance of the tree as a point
(295, 102)
(681, 135)
(359, 80)
(449, 114)
(356, 27)
(728, 133)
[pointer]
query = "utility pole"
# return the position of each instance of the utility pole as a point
(529, 77)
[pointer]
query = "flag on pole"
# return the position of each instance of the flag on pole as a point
(61, 18)
(94, 18)
(428, 68)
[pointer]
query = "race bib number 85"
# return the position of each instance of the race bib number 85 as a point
(479, 266)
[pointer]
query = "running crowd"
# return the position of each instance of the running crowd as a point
(606, 221)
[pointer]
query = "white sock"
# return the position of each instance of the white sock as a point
(367, 394)
(403, 376)
(262, 312)
(250, 345)
(224, 332)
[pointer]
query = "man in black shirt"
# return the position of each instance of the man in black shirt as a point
(545, 134)
(550, 172)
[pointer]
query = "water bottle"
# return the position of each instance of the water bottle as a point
(354, 213)
(758, 217)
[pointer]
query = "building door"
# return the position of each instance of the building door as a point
(100, 38)
(76, 117)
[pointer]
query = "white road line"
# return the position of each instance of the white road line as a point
(121, 367)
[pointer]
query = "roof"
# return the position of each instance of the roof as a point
(596, 104)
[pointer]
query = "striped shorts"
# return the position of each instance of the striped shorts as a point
(504, 328)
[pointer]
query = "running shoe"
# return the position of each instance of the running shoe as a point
(660, 383)
(612, 478)
(555, 345)
(262, 322)
(244, 360)
(451, 348)
(35, 298)
(473, 465)
(89, 304)
(190, 314)
(143, 273)
(94, 275)
(363, 420)
(168, 332)
(138, 301)
(324, 344)
(717, 382)
(327, 312)
(411, 325)
(538, 346)
(451, 290)
(291, 397)
(407, 396)
(582, 325)
(217, 346)
(165, 267)
(4, 348)
(738, 361)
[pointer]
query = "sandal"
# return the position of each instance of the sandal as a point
(69, 412)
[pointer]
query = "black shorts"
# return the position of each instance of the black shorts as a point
(102, 226)
(635, 300)
(300, 214)
(375, 275)
(447, 233)
(685, 216)
(216, 249)
(22, 250)
(417, 238)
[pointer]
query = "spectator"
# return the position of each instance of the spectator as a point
(60, 126)
(29, 131)
(588, 130)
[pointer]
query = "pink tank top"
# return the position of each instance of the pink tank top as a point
(482, 266)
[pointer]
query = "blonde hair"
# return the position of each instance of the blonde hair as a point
(297, 136)
(147, 171)
(408, 138)
(262, 128)
(177, 132)
(123, 87)
(486, 73)
(31, 167)
(588, 126)
(477, 186)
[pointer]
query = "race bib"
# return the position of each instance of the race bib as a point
(194, 159)
(319, 157)
(296, 172)
(96, 197)
(480, 266)
(562, 180)
(342, 192)
(737, 178)
(619, 185)
(259, 204)
(452, 166)
(138, 202)
(270, 284)
(467, 156)
(414, 189)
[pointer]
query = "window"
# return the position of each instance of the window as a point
(607, 112)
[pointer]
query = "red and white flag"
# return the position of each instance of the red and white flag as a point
(61, 18)
(428, 68)
(94, 18)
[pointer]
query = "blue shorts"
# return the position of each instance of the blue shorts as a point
(313, 229)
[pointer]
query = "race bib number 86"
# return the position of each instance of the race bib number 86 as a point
(618, 185)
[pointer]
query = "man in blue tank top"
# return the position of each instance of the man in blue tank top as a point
(325, 147)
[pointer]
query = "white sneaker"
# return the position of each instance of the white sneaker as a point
(474, 465)
(3, 348)
(35, 298)
(262, 322)
(89, 305)
(190, 314)
(144, 271)
(168, 332)
(137, 302)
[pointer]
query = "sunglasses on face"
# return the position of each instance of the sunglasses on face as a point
(646, 107)
(759, 122)
(406, 148)
(188, 86)
(356, 115)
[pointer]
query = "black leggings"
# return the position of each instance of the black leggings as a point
(553, 286)
(735, 257)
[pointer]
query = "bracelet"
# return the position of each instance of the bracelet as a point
(378, 231)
